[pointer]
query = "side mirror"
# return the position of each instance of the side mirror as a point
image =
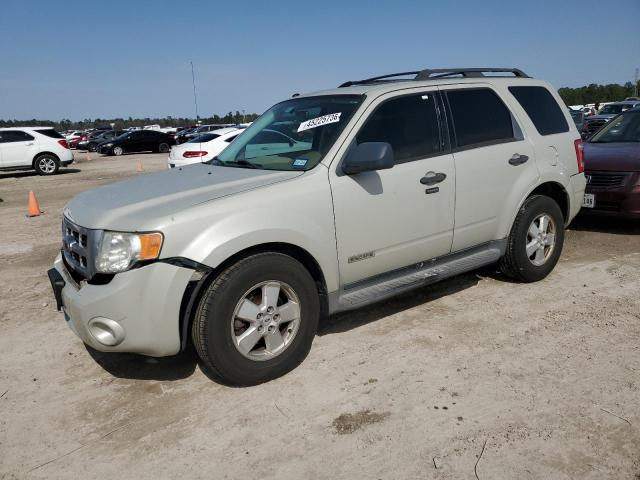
(368, 157)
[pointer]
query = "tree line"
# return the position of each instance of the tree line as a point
(598, 93)
(121, 123)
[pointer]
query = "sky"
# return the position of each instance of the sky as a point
(84, 59)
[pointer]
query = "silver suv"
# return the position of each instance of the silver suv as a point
(327, 202)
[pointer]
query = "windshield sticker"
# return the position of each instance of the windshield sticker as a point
(300, 162)
(319, 121)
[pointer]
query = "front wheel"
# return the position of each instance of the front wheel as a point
(46, 164)
(536, 240)
(256, 321)
(117, 151)
(164, 148)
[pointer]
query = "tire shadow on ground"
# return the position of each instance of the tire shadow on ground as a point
(616, 226)
(32, 173)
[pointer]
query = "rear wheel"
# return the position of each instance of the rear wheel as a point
(535, 241)
(46, 164)
(163, 148)
(257, 319)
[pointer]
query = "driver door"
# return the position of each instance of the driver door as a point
(387, 219)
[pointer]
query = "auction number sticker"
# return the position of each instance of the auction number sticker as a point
(319, 121)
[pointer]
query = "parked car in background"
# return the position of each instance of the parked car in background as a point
(202, 148)
(593, 123)
(578, 118)
(33, 148)
(204, 129)
(73, 135)
(88, 138)
(612, 168)
(102, 137)
(137, 141)
(181, 136)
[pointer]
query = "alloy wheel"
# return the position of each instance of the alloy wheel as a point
(265, 320)
(541, 239)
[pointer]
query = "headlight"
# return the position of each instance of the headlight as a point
(110, 144)
(119, 251)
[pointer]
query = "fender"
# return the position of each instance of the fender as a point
(557, 178)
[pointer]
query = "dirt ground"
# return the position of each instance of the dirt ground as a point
(476, 374)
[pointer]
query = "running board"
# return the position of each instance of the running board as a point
(424, 273)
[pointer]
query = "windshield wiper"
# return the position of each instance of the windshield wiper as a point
(236, 163)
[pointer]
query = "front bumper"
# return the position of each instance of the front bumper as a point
(618, 202)
(138, 311)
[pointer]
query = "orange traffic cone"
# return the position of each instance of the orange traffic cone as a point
(33, 206)
(139, 167)
(88, 156)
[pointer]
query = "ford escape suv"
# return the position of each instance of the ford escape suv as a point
(386, 184)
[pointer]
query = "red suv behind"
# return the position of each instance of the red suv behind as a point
(612, 168)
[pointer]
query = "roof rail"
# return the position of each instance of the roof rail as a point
(429, 74)
(375, 79)
(434, 74)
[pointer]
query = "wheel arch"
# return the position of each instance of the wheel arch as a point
(194, 291)
(556, 192)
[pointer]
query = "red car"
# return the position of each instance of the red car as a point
(612, 168)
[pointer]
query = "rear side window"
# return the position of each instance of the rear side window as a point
(10, 136)
(409, 124)
(542, 108)
(479, 117)
(49, 132)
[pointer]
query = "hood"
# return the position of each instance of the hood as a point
(129, 204)
(619, 157)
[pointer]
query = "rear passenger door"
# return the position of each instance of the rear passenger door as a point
(495, 164)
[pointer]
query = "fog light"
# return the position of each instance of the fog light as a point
(106, 331)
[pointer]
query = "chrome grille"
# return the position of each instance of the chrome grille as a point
(605, 179)
(79, 246)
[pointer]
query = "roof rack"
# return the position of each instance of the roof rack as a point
(436, 73)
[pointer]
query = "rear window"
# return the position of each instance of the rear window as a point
(479, 117)
(205, 137)
(542, 108)
(49, 132)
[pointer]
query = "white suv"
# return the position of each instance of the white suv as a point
(384, 185)
(33, 148)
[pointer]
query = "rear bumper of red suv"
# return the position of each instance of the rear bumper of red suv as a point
(617, 194)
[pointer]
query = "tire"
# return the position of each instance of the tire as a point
(46, 164)
(164, 148)
(528, 232)
(92, 148)
(217, 325)
(117, 151)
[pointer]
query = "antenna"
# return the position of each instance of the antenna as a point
(195, 97)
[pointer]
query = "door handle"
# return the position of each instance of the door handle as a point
(431, 178)
(518, 159)
(29, 144)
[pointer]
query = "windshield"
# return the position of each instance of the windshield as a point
(292, 135)
(623, 128)
(612, 109)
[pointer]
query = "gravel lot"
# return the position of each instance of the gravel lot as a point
(539, 380)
